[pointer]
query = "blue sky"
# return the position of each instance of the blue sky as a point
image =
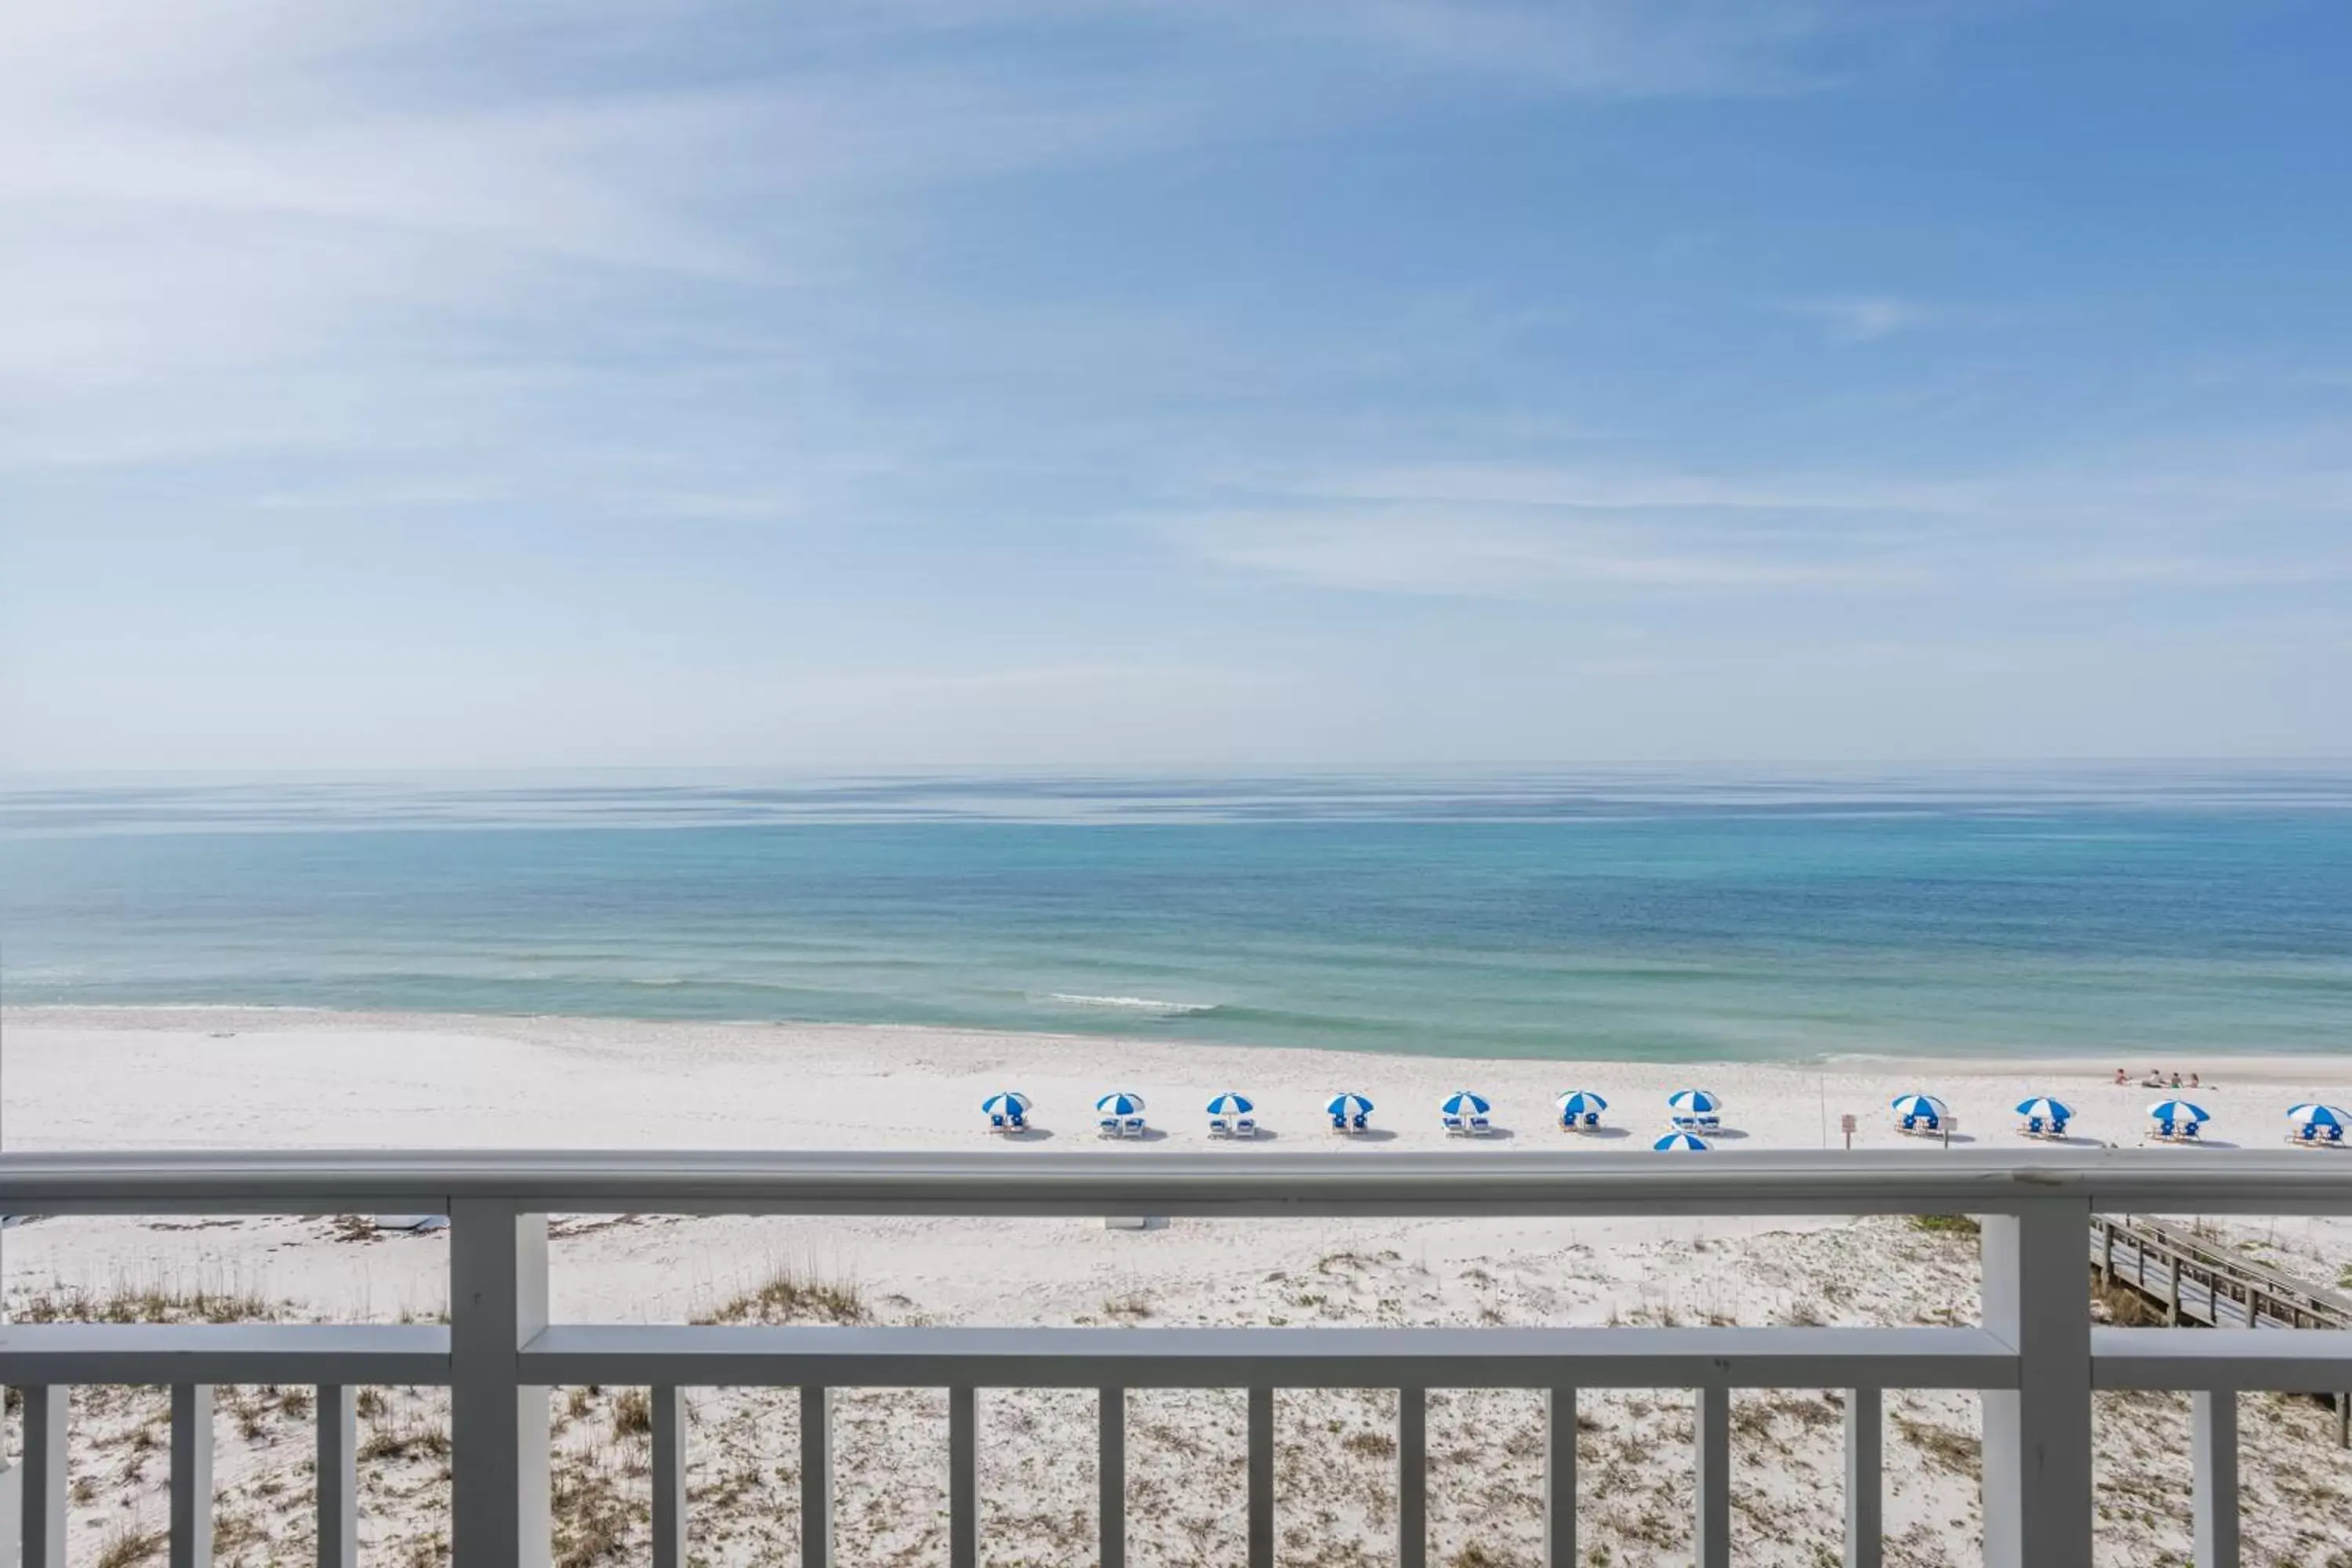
(1372, 382)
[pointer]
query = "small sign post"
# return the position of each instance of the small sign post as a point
(1846, 1122)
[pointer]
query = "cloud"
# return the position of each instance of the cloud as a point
(1864, 318)
(2226, 517)
(1457, 554)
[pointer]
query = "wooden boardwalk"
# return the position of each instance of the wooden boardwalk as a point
(2190, 1281)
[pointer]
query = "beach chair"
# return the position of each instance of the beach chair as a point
(1106, 1128)
(1481, 1124)
(2038, 1127)
(1245, 1126)
(1362, 1122)
(1016, 1122)
(1131, 1127)
(1220, 1128)
(998, 1122)
(1454, 1126)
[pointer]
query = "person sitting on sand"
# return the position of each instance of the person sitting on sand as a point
(2122, 1078)
(2193, 1081)
(2175, 1078)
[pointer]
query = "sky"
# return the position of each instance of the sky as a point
(1200, 385)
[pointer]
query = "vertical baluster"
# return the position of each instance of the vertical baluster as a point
(192, 1475)
(2172, 1294)
(2037, 1436)
(817, 1477)
(1559, 1477)
(339, 1478)
(1110, 1478)
(499, 1430)
(1714, 1532)
(1865, 1530)
(42, 1500)
(1261, 1478)
(2214, 1451)
(963, 1479)
(670, 1477)
(1413, 1477)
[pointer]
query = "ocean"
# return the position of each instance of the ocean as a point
(1640, 914)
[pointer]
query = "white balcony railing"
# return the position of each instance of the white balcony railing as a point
(2035, 1357)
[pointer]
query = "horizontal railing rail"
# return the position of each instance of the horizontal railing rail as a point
(2034, 1358)
(1234, 1182)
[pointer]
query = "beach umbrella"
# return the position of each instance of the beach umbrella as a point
(1231, 1105)
(2048, 1109)
(1694, 1102)
(1926, 1106)
(1673, 1142)
(1348, 1105)
(1579, 1102)
(1008, 1103)
(2178, 1111)
(1120, 1104)
(1461, 1103)
(2320, 1116)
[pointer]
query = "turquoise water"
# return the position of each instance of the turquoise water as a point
(2119, 913)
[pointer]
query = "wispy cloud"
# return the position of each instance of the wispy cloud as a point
(1496, 558)
(2227, 517)
(1864, 318)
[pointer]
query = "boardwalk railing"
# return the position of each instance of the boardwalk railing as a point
(2035, 1357)
(2198, 1281)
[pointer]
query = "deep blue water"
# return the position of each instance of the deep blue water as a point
(2117, 911)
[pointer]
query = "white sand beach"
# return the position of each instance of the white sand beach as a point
(222, 1078)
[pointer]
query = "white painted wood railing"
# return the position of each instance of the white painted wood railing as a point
(2035, 1357)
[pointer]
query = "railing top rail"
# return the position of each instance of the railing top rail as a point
(1207, 1183)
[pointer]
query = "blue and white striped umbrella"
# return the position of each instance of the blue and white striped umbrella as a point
(2048, 1109)
(1919, 1105)
(2320, 1116)
(1120, 1104)
(1461, 1103)
(2178, 1111)
(1693, 1102)
(1581, 1103)
(1675, 1141)
(1231, 1105)
(1348, 1105)
(1009, 1103)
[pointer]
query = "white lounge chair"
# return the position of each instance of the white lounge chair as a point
(1220, 1128)
(1245, 1126)
(1131, 1127)
(1454, 1126)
